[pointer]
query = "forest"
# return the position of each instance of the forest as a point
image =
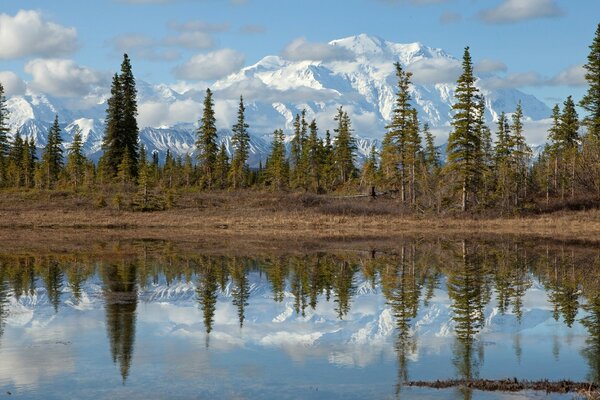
(489, 170)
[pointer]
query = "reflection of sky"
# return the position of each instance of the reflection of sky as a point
(277, 354)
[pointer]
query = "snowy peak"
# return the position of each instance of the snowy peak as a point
(356, 72)
(367, 46)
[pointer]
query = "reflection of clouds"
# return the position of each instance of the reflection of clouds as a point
(27, 364)
(170, 322)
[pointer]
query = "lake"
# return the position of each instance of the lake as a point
(157, 320)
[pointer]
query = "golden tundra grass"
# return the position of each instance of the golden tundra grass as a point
(264, 217)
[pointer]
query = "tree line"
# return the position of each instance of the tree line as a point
(485, 168)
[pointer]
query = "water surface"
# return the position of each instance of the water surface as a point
(156, 321)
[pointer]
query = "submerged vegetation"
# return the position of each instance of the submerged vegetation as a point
(480, 174)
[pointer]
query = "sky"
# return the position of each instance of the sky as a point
(535, 45)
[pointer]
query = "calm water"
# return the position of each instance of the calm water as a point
(152, 321)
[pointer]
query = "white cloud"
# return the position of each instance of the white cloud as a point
(520, 10)
(143, 46)
(13, 84)
(252, 29)
(147, 1)
(156, 114)
(130, 41)
(27, 34)
(449, 17)
(211, 66)
(414, 2)
(572, 76)
(191, 40)
(63, 78)
(514, 80)
(300, 49)
(199, 26)
(435, 70)
(487, 65)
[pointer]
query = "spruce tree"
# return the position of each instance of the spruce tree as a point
(241, 143)
(569, 141)
(502, 161)
(206, 142)
(344, 147)
(121, 132)
(76, 161)
(188, 170)
(4, 143)
(130, 111)
(222, 166)
(520, 154)
(15, 161)
(368, 176)
(114, 140)
(53, 154)
(464, 141)
(432, 155)
(277, 165)
(27, 165)
(396, 154)
(299, 152)
(328, 171)
(591, 100)
(314, 154)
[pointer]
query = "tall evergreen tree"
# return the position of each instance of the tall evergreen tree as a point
(396, 150)
(221, 168)
(206, 142)
(464, 141)
(4, 144)
(432, 155)
(15, 161)
(53, 154)
(591, 100)
(520, 154)
(277, 165)
(113, 143)
(344, 147)
(76, 161)
(314, 154)
(241, 142)
(130, 111)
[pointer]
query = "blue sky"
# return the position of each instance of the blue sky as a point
(535, 44)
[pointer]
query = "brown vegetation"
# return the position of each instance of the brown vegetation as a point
(271, 218)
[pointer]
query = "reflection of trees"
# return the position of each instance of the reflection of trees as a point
(120, 296)
(4, 294)
(77, 273)
(402, 291)
(207, 291)
(469, 294)
(473, 269)
(343, 287)
(241, 287)
(52, 275)
(592, 349)
(563, 288)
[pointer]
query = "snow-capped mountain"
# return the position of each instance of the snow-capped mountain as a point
(361, 78)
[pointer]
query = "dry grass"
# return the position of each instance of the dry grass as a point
(262, 217)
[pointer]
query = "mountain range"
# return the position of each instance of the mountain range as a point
(356, 73)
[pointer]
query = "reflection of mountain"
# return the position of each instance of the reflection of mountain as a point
(120, 297)
(350, 310)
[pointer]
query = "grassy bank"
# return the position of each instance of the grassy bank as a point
(262, 217)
